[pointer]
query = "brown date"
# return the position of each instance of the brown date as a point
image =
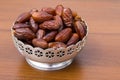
(40, 34)
(79, 29)
(59, 10)
(20, 25)
(18, 35)
(49, 10)
(34, 26)
(23, 17)
(64, 35)
(50, 25)
(40, 43)
(41, 16)
(50, 36)
(83, 24)
(67, 17)
(74, 39)
(59, 20)
(56, 45)
(24, 33)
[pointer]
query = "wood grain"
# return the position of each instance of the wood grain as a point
(100, 58)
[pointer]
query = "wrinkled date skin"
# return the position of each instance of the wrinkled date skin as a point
(59, 21)
(73, 40)
(59, 10)
(20, 25)
(50, 36)
(41, 16)
(79, 29)
(49, 10)
(40, 34)
(34, 26)
(84, 26)
(56, 45)
(63, 35)
(50, 25)
(23, 17)
(24, 34)
(40, 43)
(67, 17)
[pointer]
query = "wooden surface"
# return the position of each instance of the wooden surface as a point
(99, 60)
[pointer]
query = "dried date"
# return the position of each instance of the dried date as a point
(49, 10)
(50, 36)
(50, 25)
(67, 17)
(24, 33)
(74, 39)
(56, 45)
(23, 17)
(20, 25)
(64, 35)
(79, 29)
(59, 10)
(40, 34)
(41, 16)
(40, 43)
(34, 26)
(59, 21)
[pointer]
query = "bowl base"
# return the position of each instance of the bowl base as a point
(49, 66)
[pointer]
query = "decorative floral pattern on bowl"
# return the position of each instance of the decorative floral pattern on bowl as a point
(50, 55)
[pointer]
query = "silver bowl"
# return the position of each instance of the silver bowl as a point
(51, 58)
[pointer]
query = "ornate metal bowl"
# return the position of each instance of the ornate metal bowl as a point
(51, 58)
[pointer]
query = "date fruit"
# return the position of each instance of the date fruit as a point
(56, 45)
(59, 21)
(50, 25)
(67, 17)
(23, 17)
(41, 16)
(50, 36)
(83, 24)
(24, 34)
(40, 34)
(63, 35)
(79, 29)
(40, 43)
(49, 10)
(73, 40)
(34, 26)
(20, 25)
(59, 10)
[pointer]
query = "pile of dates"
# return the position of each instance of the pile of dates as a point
(49, 27)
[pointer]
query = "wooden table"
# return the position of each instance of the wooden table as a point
(99, 60)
